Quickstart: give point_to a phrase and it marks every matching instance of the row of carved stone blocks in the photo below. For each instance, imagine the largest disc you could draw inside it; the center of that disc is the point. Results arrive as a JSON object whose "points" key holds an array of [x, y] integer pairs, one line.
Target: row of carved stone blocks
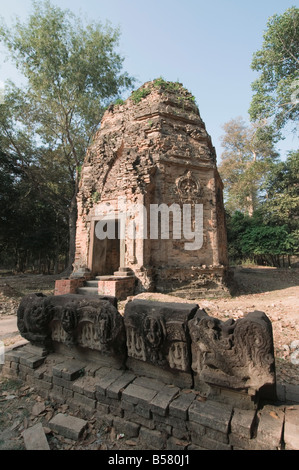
{"points": [[178, 342], [161, 415]]}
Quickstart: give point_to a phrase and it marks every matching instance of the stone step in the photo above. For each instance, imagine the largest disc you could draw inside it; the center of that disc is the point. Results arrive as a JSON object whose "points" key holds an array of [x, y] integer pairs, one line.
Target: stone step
{"points": [[107, 277], [88, 290], [93, 283], [123, 274], [124, 269]]}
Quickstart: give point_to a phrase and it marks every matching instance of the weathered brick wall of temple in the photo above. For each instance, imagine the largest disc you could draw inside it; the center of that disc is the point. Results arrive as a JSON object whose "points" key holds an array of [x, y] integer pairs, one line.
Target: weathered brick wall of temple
{"points": [[153, 149]]}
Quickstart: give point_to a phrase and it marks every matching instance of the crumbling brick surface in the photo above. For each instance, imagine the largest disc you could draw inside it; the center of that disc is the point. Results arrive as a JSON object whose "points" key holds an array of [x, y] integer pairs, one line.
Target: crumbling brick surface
{"points": [[155, 150]]}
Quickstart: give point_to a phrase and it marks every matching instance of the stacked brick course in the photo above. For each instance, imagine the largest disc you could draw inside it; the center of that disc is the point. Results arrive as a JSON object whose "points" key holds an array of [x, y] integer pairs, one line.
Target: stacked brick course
{"points": [[68, 286], [161, 416]]}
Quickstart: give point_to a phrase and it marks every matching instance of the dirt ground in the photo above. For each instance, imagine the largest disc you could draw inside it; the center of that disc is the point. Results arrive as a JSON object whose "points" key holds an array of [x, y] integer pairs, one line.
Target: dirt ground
{"points": [[271, 290]]}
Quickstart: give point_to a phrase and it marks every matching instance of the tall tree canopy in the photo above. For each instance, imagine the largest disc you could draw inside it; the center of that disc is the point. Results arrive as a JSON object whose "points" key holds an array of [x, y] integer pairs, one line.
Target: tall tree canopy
{"points": [[247, 157], [261, 193], [276, 90], [281, 206], [73, 71], [273, 231]]}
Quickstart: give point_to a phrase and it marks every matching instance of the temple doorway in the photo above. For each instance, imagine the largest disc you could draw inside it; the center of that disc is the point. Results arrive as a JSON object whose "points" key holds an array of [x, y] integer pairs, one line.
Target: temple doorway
{"points": [[106, 251]]}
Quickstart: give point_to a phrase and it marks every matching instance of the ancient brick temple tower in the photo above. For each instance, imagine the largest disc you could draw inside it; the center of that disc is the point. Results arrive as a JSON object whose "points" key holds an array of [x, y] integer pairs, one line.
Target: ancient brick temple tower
{"points": [[152, 169]]}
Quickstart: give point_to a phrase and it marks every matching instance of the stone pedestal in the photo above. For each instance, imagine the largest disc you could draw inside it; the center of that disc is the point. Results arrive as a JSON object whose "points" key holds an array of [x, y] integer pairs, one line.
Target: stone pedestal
{"points": [[68, 286], [117, 286]]}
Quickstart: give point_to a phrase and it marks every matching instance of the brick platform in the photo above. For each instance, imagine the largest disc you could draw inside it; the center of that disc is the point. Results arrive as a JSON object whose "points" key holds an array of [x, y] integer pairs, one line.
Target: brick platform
{"points": [[162, 416], [68, 286], [120, 287], [116, 286]]}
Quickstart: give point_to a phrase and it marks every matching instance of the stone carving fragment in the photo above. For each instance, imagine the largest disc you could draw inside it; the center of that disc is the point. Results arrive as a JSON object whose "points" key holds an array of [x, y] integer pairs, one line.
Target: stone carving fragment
{"points": [[157, 334], [33, 319], [189, 188], [74, 320], [175, 341], [233, 354]]}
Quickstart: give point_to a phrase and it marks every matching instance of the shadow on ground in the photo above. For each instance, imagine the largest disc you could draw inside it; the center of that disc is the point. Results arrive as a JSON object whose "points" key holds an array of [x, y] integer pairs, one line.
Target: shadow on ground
{"points": [[256, 280]]}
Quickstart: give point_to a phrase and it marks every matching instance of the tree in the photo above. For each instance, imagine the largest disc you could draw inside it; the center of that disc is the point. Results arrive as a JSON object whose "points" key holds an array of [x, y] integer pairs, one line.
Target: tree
{"points": [[237, 224], [73, 71], [248, 155], [265, 243], [276, 90], [33, 211], [281, 206], [273, 230], [255, 239]]}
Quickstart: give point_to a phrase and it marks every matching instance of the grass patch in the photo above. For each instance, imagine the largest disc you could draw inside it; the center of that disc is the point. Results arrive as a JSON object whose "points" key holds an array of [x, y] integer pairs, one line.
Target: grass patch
{"points": [[118, 102], [174, 87], [138, 95], [182, 94]]}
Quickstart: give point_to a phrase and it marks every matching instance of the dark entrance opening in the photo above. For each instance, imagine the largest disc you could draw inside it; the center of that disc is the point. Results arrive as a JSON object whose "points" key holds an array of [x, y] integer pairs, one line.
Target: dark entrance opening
{"points": [[106, 252]]}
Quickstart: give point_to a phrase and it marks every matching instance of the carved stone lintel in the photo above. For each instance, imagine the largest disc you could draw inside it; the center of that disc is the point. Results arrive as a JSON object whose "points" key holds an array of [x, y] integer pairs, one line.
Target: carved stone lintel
{"points": [[75, 320], [33, 319], [233, 354], [157, 333], [177, 341]]}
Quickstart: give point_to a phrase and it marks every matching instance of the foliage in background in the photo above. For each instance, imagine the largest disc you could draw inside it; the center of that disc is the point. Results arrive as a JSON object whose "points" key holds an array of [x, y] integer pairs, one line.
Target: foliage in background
{"points": [[272, 233], [248, 156], [281, 206], [73, 72], [276, 90], [262, 193]]}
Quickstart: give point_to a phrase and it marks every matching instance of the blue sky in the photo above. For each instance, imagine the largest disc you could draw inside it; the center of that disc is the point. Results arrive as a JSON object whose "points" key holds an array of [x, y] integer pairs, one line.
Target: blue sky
{"points": [[207, 46]]}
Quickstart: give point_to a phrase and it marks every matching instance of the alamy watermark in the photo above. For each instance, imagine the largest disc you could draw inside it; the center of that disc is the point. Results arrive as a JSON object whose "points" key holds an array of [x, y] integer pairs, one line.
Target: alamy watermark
{"points": [[2, 352], [135, 221]]}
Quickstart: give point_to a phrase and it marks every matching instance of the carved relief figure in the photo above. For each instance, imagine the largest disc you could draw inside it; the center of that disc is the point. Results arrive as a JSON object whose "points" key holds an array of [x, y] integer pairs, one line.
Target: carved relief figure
{"points": [[189, 188], [74, 320], [156, 333], [135, 344], [236, 354], [178, 356], [69, 319], [58, 333]]}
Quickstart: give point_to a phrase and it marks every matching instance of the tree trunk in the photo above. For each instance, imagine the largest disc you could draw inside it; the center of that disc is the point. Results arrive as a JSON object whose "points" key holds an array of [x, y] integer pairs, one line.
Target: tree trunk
{"points": [[57, 251], [72, 234], [250, 200]]}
